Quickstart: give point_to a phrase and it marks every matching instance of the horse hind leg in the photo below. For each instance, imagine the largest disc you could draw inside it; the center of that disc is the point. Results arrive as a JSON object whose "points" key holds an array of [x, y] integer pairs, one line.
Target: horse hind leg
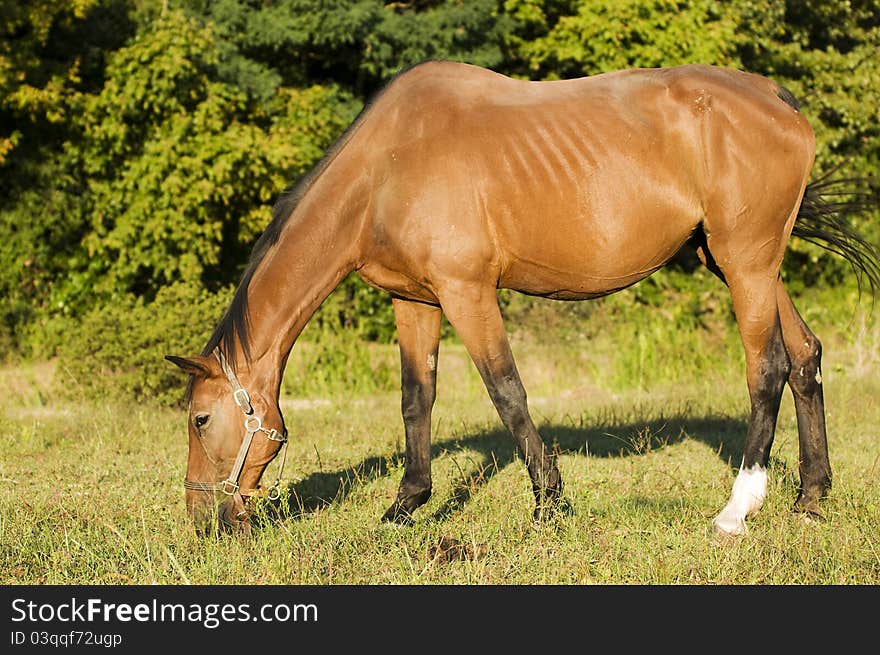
{"points": [[767, 368], [418, 329], [805, 382], [474, 314]]}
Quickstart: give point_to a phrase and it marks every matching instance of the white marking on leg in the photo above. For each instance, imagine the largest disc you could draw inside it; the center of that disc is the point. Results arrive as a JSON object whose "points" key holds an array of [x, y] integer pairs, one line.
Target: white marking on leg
{"points": [[432, 363], [818, 376], [749, 491]]}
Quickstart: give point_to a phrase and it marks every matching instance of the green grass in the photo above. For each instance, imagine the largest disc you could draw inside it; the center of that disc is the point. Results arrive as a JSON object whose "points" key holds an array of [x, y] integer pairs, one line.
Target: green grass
{"points": [[649, 420]]}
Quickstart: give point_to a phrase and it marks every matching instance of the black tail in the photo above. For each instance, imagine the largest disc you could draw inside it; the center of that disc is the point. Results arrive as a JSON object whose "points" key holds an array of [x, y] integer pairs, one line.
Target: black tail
{"points": [[824, 219]]}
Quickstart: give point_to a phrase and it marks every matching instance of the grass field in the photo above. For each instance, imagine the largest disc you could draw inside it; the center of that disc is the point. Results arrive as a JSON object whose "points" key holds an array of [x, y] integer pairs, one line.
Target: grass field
{"points": [[649, 424]]}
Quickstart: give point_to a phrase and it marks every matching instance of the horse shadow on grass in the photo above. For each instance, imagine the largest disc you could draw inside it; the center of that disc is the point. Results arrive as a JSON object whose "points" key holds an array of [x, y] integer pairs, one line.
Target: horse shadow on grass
{"points": [[494, 449]]}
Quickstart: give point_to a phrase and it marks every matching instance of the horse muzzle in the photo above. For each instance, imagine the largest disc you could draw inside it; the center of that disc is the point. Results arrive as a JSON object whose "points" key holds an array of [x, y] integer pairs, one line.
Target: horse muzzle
{"points": [[217, 513]]}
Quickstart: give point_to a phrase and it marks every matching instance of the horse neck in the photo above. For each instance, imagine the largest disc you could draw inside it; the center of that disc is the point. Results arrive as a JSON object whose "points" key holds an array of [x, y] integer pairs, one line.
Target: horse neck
{"points": [[318, 246]]}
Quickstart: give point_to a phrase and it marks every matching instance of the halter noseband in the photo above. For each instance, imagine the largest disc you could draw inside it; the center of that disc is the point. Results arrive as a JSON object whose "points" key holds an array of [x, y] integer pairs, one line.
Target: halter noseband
{"points": [[252, 425]]}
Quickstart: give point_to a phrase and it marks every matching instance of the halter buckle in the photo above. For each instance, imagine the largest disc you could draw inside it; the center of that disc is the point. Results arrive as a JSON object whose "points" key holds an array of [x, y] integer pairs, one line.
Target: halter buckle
{"points": [[243, 400], [226, 485], [274, 435]]}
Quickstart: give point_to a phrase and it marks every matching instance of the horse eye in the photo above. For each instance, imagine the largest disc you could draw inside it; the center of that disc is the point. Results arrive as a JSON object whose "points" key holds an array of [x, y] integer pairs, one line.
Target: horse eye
{"points": [[201, 419]]}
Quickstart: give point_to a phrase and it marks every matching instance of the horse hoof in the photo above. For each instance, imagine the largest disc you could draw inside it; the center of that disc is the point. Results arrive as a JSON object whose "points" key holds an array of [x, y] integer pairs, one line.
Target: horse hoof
{"points": [[729, 526], [397, 515], [808, 516], [809, 508], [551, 509], [404, 505], [397, 518]]}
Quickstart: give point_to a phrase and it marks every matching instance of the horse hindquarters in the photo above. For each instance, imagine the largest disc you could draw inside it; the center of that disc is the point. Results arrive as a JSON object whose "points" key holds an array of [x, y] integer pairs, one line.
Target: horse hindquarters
{"points": [[749, 215]]}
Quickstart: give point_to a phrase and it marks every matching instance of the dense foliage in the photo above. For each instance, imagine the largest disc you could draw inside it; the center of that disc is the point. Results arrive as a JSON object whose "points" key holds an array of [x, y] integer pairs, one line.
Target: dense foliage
{"points": [[142, 144]]}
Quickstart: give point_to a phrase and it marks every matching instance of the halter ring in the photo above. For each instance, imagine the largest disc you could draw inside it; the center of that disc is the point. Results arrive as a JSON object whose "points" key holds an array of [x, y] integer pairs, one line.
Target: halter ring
{"points": [[253, 423]]}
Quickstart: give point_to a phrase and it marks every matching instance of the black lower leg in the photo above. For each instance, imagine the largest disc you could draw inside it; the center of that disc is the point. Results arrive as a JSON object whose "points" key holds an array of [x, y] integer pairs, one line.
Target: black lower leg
{"points": [[509, 397], [473, 311], [418, 329], [805, 381], [766, 397], [415, 487]]}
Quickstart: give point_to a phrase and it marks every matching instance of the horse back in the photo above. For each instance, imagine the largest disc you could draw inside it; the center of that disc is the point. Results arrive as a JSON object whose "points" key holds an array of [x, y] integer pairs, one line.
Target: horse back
{"points": [[570, 188]]}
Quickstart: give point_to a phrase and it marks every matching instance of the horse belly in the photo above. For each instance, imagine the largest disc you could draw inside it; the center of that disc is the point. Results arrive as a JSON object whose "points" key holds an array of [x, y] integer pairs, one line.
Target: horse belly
{"points": [[576, 252], [587, 277]]}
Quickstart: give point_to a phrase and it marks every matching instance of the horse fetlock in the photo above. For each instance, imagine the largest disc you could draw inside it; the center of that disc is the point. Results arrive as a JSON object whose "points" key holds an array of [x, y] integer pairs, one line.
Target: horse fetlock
{"points": [[417, 487], [550, 506], [407, 501], [415, 498], [547, 484], [747, 497], [548, 496], [815, 485], [554, 486], [808, 502]]}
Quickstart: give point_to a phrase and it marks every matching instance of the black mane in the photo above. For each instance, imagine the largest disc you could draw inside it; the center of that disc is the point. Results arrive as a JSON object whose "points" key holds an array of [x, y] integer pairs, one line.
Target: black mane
{"points": [[234, 328]]}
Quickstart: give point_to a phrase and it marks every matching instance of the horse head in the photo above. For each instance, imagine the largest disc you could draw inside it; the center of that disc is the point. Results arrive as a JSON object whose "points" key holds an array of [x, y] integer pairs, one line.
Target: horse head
{"points": [[231, 442]]}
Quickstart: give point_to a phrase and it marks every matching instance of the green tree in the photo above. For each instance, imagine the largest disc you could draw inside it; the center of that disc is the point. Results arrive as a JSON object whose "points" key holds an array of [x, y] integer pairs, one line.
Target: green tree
{"points": [[143, 143], [170, 177], [359, 44], [597, 36], [50, 53], [825, 52], [182, 167], [52, 56]]}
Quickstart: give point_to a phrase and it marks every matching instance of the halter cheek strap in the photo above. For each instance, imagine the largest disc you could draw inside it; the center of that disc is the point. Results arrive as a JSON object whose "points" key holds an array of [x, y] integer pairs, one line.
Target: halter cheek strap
{"points": [[252, 425]]}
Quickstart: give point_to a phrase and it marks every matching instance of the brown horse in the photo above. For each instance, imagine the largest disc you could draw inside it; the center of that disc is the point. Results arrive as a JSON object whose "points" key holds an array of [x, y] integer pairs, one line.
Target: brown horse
{"points": [[456, 181]]}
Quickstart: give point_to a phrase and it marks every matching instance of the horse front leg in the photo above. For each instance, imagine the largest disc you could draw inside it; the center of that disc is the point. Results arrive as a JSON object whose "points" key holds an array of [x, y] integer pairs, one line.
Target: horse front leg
{"points": [[473, 311], [418, 329]]}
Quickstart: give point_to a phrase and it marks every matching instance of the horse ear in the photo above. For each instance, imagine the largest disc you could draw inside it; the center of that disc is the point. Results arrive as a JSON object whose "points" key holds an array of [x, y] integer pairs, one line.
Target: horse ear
{"points": [[198, 366]]}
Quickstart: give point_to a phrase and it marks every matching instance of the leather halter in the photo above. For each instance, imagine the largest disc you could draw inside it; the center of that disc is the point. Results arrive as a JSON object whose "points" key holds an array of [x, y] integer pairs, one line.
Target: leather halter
{"points": [[252, 425]]}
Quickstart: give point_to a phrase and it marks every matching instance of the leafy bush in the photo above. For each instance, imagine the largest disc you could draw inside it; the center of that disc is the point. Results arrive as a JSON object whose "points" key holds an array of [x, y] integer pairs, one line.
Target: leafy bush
{"points": [[142, 146], [118, 350], [355, 307], [326, 363]]}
